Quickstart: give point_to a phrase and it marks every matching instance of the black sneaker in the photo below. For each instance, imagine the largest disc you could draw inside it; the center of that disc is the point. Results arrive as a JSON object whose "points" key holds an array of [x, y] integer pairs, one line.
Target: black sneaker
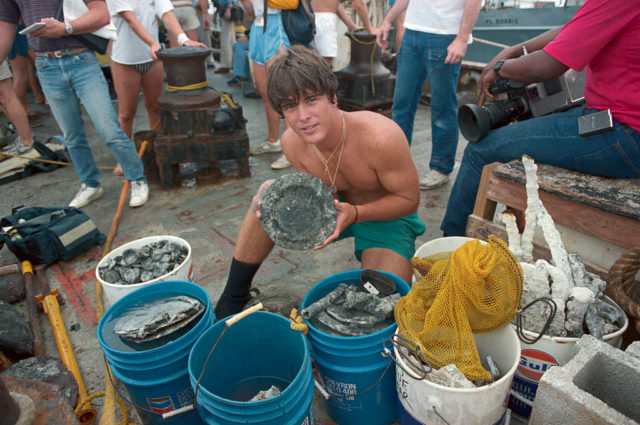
{"points": [[235, 81]]}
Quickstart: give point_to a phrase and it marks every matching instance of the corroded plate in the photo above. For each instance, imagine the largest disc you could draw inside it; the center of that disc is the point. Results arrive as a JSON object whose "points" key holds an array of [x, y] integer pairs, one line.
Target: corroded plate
{"points": [[298, 212]]}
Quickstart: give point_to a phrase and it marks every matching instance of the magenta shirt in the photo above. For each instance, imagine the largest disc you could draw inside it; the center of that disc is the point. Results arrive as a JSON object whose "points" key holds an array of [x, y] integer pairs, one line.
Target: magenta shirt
{"points": [[604, 36]]}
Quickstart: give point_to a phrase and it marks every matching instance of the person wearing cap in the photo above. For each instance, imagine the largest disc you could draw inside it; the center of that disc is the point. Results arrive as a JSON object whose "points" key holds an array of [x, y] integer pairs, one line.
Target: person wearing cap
{"points": [[240, 56]]}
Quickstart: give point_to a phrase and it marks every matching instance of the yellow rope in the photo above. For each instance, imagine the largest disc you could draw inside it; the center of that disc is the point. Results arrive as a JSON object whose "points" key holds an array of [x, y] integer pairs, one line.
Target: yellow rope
{"points": [[226, 98], [193, 86]]}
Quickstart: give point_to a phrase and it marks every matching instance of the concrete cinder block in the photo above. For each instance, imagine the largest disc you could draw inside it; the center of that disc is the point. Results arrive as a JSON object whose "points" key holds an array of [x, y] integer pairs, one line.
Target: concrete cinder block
{"points": [[598, 386], [634, 349]]}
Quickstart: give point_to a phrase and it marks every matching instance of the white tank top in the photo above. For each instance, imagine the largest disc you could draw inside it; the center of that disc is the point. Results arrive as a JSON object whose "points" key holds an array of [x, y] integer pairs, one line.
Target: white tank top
{"points": [[435, 16]]}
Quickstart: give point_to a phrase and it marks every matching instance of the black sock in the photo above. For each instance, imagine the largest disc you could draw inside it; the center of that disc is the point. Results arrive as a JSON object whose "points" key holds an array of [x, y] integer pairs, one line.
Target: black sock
{"points": [[236, 291]]}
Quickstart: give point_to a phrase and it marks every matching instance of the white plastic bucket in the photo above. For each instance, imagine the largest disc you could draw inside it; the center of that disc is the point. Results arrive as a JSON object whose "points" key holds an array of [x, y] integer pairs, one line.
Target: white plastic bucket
{"points": [[435, 246], [545, 353], [424, 402], [114, 291]]}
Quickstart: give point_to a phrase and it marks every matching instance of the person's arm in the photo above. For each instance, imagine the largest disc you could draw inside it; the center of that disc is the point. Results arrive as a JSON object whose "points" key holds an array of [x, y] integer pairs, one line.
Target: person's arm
{"points": [[360, 7], [248, 8], [96, 17], [458, 47], [7, 34], [173, 26], [536, 66], [204, 7], [344, 17], [383, 32], [130, 18]]}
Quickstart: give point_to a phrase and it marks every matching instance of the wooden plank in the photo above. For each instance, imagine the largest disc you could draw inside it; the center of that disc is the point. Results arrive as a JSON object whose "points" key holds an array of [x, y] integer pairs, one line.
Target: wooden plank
{"points": [[485, 207], [613, 228], [481, 228], [617, 196]]}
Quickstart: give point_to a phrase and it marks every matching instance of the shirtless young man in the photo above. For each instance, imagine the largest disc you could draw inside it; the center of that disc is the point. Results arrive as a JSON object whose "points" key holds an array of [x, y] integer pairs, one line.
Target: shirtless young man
{"points": [[372, 169], [327, 13]]}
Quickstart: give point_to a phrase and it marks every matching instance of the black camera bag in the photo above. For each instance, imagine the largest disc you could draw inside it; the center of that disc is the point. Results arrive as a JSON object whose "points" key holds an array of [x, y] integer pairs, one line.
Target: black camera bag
{"points": [[49, 234]]}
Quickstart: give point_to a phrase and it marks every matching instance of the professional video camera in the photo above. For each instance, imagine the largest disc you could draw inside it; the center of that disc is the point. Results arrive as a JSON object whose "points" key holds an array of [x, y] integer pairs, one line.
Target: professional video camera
{"points": [[523, 101]]}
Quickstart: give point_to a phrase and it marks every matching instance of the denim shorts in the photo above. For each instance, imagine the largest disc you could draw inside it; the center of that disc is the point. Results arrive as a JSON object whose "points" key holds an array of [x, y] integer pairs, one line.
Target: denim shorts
{"points": [[398, 235], [263, 46]]}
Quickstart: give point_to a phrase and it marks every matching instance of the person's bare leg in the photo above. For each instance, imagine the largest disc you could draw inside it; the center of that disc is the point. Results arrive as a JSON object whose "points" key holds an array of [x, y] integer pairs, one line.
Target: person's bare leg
{"points": [[151, 90], [20, 69], [126, 82], [273, 119], [252, 247], [388, 261], [192, 34], [14, 110]]}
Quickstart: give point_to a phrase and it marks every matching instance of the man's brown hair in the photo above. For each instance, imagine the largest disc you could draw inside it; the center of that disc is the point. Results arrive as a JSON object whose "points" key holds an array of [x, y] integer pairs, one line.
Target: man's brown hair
{"points": [[296, 73]]}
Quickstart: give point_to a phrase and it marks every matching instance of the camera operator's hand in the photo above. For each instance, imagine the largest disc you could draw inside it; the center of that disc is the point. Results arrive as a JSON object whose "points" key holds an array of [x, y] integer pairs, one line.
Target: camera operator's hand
{"points": [[488, 76], [486, 79]]}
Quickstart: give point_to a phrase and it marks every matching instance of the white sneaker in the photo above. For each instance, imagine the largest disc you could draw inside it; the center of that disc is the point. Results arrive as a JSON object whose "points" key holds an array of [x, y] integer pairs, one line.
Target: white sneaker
{"points": [[280, 163], [433, 180], [139, 194], [266, 147], [16, 148], [86, 195]]}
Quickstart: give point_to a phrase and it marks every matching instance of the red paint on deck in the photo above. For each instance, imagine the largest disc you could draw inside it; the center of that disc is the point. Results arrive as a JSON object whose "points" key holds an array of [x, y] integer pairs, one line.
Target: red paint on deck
{"points": [[72, 284]]}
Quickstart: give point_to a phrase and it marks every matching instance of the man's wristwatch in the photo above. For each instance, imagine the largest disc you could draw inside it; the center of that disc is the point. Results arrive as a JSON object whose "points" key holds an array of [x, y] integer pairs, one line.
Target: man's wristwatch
{"points": [[496, 68], [68, 28]]}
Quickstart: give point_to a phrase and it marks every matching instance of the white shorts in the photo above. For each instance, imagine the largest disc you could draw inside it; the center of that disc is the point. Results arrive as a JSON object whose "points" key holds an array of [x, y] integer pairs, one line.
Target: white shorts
{"points": [[187, 17], [326, 40]]}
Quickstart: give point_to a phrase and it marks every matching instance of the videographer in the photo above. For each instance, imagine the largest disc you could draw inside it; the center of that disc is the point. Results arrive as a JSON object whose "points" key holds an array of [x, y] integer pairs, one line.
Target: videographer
{"points": [[603, 36]]}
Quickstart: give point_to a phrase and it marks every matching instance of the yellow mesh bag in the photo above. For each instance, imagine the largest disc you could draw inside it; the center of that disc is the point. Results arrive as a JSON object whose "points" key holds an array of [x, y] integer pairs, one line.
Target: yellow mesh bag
{"points": [[474, 289]]}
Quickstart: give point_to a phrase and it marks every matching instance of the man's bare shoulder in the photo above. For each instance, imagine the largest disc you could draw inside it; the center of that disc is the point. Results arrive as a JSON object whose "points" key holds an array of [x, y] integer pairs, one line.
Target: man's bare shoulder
{"points": [[376, 127]]}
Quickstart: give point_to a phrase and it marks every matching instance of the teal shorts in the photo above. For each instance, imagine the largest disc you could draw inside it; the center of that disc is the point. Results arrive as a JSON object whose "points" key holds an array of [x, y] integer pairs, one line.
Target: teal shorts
{"points": [[263, 46], [398, 235]]}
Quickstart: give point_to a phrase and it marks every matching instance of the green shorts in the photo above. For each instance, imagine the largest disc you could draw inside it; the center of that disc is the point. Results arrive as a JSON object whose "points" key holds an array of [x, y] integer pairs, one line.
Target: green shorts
{"points": [[398, 235]]}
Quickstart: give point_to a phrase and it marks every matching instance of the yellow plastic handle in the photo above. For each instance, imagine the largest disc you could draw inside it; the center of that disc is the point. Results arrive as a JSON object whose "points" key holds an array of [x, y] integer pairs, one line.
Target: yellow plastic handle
{"points": [[26, 267], [243, 314]]}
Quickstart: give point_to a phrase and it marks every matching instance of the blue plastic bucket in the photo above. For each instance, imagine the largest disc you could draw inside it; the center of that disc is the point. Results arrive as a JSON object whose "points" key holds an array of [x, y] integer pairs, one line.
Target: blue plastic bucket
{"points": [[156, 379], [254, 353], [350, 365]]}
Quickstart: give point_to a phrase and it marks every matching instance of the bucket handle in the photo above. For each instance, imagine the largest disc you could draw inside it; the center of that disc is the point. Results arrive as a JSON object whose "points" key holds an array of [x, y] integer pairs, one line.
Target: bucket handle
{"points": [[228, 323], [414, 356], [519, 330]]}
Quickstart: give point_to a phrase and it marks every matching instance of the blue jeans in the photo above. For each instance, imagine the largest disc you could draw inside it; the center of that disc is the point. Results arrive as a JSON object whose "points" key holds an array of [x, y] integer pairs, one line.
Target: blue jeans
{"points": [[552, 139], [66, 82], [240, 59], [422, 55]]}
